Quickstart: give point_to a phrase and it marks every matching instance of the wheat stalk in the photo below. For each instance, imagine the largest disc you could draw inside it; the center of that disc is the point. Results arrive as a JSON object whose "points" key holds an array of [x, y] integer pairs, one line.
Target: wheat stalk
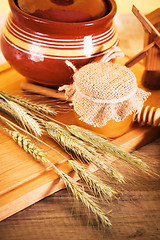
{"points": [[22, 115], [71, 184], [105, 145], [98, 187], [75, 147], [39, 108]]}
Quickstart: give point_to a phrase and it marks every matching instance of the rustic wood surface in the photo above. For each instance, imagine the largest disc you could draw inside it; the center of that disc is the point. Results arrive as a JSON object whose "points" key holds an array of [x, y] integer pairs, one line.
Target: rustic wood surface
{"points": [[135, 213]]}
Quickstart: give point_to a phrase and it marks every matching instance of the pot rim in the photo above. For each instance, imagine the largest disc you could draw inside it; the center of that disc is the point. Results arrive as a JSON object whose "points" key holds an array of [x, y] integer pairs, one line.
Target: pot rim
{"points": [[109, 16]]}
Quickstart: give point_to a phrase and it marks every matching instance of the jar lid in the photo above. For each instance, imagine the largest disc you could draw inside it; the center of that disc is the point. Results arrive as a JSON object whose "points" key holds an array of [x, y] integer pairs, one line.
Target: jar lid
{"points": [[105, 82]]}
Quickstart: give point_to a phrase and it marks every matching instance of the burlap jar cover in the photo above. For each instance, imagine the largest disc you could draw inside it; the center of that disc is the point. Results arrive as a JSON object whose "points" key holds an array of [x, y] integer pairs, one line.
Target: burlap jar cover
{"points": [[103, 91]]}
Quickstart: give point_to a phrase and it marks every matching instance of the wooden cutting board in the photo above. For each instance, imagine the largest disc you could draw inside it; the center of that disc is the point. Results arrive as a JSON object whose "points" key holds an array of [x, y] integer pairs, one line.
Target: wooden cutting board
{"points": [[24, 181]]}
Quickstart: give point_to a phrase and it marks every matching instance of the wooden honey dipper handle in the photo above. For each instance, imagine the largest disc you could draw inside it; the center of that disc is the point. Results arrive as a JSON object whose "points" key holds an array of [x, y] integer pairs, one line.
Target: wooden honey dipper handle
{"points": [[49, 92], [148, 116]]}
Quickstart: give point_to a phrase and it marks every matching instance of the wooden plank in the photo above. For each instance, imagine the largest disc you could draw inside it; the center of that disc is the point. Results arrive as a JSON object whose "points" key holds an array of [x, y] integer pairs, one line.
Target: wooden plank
{"points": [[4, 67]]}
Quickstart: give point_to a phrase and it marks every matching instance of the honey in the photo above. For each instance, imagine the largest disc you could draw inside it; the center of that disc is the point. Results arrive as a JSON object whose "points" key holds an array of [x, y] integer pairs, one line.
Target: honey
{"points": [[112, 129]]}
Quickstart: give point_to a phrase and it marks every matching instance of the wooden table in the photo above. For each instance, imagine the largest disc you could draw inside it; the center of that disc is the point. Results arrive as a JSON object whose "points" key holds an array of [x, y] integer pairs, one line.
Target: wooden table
{"points": [[135, 213]]}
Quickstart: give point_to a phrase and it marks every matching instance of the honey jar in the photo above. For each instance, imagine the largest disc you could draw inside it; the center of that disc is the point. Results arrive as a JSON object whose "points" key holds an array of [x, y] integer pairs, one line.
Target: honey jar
{"points": [[105, 97], [112, 129]]}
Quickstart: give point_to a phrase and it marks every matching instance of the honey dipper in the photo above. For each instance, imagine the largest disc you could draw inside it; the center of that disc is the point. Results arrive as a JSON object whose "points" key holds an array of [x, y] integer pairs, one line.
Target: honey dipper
{"points": [[148, 116]]}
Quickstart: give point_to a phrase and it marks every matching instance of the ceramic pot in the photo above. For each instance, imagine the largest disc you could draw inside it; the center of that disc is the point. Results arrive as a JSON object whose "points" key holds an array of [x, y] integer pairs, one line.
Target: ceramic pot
{"points": [[37, 48]]}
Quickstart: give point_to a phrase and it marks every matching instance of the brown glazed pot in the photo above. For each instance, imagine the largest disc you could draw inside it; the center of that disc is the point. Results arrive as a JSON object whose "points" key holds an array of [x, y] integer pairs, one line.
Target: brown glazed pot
{"points": [[37, 48]]}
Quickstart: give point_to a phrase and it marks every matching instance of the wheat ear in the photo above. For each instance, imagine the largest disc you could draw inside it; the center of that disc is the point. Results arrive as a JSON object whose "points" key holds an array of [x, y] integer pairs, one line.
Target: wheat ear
{"points": [[86, 199], [105, 145], [71, 185], [28, 146], [41, 108], [22, 115], [77, 148], [98, 187]]}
